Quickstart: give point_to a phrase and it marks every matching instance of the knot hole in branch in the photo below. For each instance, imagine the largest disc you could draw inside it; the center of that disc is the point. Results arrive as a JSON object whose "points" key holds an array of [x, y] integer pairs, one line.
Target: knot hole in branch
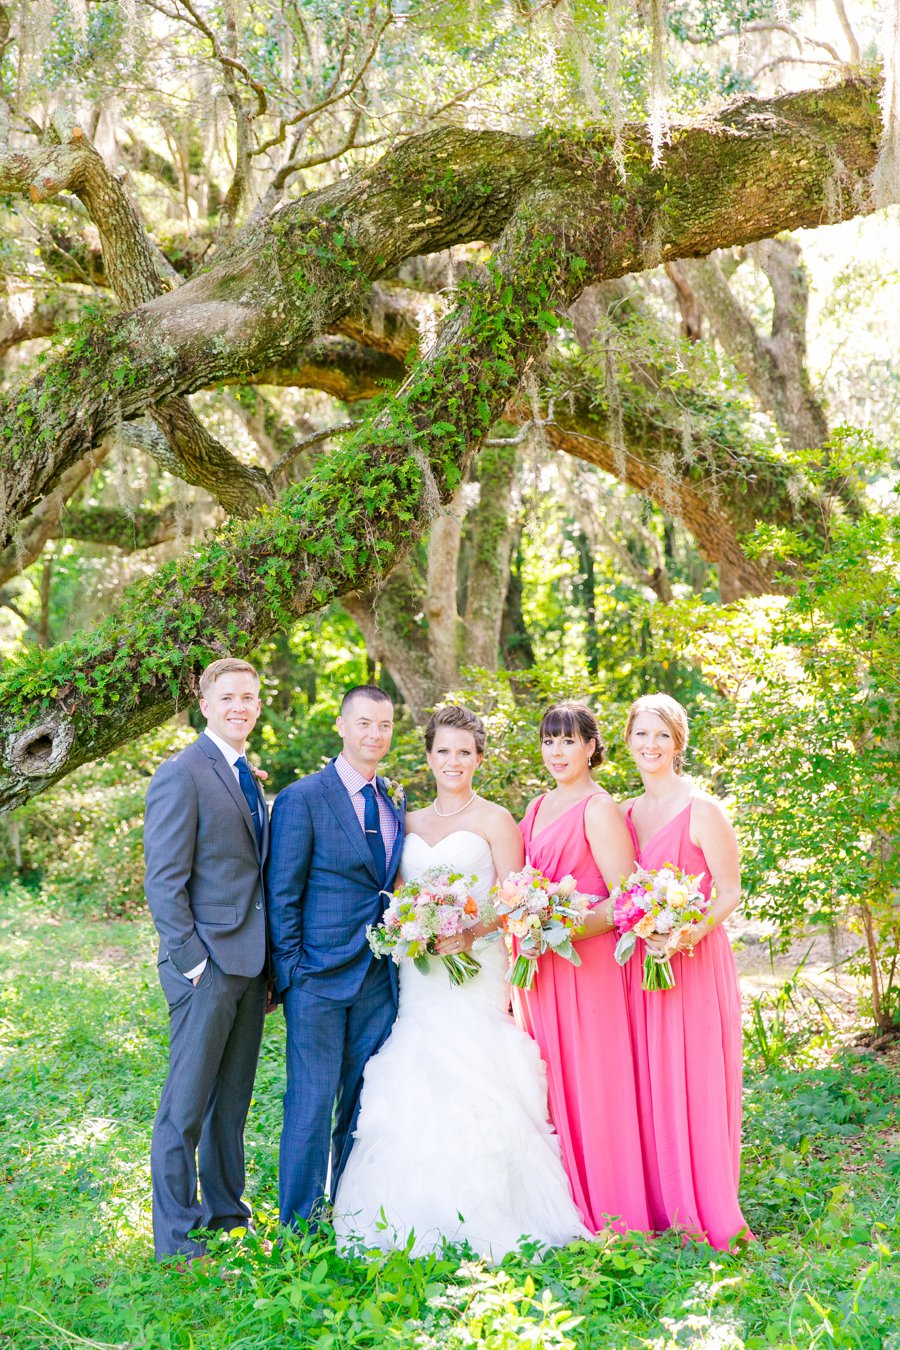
{"points": [[42, 748]]}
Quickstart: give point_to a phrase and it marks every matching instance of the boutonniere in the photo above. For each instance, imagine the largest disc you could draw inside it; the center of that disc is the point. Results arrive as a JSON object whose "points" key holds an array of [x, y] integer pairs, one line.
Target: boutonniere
{"points": [[396, 793]]}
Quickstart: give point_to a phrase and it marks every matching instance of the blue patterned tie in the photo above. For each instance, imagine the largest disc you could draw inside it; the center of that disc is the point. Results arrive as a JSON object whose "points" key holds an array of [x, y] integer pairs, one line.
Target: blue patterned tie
{"points": [[372, 822], [248, 787]]}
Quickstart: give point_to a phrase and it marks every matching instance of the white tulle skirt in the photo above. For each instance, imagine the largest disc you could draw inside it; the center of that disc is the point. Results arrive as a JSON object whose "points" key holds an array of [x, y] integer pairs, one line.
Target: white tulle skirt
{"points": [[453, 1142]]}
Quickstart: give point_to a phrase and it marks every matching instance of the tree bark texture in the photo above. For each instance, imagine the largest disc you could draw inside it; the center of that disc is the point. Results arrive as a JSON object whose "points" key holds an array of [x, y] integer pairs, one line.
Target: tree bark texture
{"points": [[762, 167], [774, 363]]}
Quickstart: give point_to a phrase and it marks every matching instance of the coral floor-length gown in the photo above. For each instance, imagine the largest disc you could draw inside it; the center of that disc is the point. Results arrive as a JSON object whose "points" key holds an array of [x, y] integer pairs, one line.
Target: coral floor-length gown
{"points": [[579, 1017], [689, 1068]]}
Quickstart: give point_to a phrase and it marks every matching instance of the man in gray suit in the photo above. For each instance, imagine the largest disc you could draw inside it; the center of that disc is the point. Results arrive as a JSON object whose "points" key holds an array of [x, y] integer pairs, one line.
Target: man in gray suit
{"points": [[205, 841]]}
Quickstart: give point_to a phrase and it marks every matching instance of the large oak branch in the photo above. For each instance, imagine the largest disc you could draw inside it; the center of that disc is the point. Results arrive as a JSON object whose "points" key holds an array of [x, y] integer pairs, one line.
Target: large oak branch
{"points": [[667, 437], [761, 167], [564, 219]]}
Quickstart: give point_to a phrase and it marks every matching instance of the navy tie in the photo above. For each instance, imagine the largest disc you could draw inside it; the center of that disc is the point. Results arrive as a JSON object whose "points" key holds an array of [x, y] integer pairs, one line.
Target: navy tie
{"points": [[372, 822], [248, 787]]}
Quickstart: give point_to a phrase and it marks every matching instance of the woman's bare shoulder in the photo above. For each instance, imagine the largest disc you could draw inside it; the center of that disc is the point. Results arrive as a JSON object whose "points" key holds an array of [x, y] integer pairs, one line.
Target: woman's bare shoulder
{"points": [[492, 814], [602, 806], [707, 810]]}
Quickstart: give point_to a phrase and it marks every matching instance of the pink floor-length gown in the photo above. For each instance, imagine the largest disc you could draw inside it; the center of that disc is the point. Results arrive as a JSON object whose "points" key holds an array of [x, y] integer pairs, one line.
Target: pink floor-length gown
{"points": [[579, 1017], [689, 1067]]}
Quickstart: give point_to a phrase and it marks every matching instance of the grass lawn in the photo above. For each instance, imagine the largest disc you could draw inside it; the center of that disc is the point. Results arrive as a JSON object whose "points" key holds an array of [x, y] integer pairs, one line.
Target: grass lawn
{"points": [[82, 1056]]}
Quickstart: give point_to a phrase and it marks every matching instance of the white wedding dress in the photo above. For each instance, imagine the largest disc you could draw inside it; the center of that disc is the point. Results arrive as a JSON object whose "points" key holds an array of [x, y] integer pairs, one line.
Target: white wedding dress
{"points": [[453, 1141]]}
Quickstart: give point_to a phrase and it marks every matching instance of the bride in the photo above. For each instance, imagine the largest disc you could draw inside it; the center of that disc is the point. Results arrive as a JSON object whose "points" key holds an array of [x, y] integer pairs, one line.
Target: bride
{"points": [[453, 1141]]}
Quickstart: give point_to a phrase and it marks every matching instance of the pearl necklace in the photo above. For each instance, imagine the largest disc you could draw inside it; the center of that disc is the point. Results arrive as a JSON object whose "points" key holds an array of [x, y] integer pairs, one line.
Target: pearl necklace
{"points": [[445, 815]]}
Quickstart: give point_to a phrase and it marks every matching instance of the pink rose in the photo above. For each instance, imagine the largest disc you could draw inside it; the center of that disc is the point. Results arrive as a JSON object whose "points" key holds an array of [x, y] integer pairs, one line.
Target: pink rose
{"points": [[627, 915]]}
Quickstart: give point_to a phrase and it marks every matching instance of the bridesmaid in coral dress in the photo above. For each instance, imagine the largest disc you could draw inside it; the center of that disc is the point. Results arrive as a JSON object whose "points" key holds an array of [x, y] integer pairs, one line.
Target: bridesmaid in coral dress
{"points": [[579, 1014], [688, 1039]]}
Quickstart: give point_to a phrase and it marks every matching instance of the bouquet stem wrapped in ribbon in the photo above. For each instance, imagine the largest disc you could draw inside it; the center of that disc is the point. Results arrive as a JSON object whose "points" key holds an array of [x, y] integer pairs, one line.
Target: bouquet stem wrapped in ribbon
{"points": [[436, 905], [661, 902], [542, 915]]}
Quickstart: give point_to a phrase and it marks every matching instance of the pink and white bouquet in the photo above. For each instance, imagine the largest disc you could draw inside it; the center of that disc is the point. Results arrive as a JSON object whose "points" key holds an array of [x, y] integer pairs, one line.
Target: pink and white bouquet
{"points": [[542, 915], [663, 901], [438, 904]]}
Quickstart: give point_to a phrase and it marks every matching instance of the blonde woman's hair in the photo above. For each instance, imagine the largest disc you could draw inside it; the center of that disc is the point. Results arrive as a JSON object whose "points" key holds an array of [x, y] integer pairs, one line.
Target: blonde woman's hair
{"points": [[672, 714]]}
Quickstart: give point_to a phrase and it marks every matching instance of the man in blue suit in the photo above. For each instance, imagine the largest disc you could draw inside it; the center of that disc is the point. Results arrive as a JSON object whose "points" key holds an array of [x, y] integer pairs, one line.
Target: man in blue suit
{"points": [[336, 841]]}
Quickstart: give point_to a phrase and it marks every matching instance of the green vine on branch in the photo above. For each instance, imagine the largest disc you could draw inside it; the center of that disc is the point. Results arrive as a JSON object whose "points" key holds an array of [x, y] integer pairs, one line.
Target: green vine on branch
{"points": [[343, 527]]}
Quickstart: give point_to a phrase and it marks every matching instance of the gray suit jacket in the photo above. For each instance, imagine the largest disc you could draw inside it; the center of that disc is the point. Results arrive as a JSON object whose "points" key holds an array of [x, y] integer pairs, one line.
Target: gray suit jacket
{"points": [[204, 880]]}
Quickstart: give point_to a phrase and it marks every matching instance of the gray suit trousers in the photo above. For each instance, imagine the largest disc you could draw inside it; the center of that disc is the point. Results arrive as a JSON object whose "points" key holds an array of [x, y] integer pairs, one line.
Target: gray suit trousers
{"points": [[215, 1032]]}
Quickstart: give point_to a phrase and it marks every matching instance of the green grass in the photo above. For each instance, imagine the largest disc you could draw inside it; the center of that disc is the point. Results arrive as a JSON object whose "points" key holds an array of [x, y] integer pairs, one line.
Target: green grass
{"points": [[82, 1057]]}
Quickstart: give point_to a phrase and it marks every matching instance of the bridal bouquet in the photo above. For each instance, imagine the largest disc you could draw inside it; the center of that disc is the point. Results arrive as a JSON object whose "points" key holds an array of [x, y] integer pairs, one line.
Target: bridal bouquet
{"points": [[662, 901], [436, 905], [543, 915]]}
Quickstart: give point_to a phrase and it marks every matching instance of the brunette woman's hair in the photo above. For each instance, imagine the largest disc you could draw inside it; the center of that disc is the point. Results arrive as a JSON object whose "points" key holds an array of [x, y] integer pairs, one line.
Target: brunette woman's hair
{"points": [[458, 719], [577, 720]]}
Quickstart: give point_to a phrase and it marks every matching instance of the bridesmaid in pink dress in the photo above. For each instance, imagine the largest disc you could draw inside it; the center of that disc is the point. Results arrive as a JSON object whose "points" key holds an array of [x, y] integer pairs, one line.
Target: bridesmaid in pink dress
{"points": [[579, 1014], [688, 1039]]}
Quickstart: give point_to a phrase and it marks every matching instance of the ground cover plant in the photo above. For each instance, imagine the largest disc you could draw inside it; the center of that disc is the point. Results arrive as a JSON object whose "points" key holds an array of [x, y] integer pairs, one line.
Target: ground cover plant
{"points": [[82, 1052]]}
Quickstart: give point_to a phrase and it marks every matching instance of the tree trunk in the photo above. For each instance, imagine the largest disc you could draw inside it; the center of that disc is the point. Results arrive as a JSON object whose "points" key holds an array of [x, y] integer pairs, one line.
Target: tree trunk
{"points": [[515, 641], [440, 597], [491, 533], [773, 364]]}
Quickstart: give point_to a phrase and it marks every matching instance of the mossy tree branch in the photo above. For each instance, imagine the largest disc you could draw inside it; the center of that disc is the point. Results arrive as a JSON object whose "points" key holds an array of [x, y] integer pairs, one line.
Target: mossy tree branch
{"points": [[138, 273], [299, 271], [128, 531], [562, 217], [351, 520], [720, 485]]}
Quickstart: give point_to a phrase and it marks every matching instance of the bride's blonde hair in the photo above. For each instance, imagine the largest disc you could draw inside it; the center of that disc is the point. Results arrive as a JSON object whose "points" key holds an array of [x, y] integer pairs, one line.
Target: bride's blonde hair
{"points": [[671, 712]]}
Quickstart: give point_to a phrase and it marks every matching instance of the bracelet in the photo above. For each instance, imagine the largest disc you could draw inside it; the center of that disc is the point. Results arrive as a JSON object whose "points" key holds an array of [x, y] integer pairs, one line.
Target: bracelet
{"points": [[612, 913]]}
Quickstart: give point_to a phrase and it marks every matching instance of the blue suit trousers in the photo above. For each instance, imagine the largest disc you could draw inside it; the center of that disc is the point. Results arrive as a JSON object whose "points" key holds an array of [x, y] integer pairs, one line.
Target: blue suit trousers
{"points": [[328, 1044]]}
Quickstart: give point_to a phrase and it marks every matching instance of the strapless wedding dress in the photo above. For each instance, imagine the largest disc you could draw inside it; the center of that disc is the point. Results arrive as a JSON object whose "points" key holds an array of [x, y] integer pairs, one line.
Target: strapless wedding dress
{"points": [[453, 1141]]}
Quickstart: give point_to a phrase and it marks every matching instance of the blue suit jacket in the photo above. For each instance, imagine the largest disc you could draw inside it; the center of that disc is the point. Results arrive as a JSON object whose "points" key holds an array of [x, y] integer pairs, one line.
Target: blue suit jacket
{"points": [[321, 887]]}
